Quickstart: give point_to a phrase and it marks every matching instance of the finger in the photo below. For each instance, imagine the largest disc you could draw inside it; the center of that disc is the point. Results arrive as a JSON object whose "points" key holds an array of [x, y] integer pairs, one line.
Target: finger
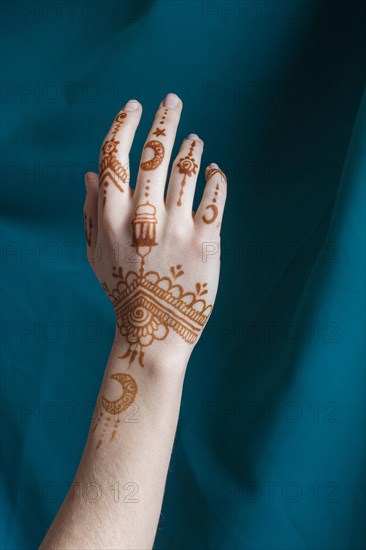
{"points": [[91, 211], [208, 217], [183, 178], [157, 151], [114, 173]]}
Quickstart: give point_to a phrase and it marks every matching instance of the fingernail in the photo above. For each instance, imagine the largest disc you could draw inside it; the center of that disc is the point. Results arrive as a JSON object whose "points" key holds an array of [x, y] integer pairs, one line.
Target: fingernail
{"points": [[90, 177], [131, 105], [193, 136], [171, 101], [212, 165]]}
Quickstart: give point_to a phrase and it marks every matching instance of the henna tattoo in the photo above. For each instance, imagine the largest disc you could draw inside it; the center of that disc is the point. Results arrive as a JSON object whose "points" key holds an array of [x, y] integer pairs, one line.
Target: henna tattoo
{"points": [[88, 225], [110, 168], [213, 207], [212, 171], [158, 157], [186, 166], [159, 132], [163, 117], [144, 228], [148, 305], [215, 213], [113, 408]]}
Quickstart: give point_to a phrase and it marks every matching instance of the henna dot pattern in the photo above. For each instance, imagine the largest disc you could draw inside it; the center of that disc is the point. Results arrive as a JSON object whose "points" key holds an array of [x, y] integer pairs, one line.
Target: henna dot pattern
{"points": [[147, 304], [110, 168], [186, 166], [212, 208], [163, 117], [112, 409], [158, 157]]}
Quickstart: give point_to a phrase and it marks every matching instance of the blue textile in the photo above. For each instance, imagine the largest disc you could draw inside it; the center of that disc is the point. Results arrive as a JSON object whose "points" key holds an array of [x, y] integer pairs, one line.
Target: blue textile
{"points": [[270, 451]]}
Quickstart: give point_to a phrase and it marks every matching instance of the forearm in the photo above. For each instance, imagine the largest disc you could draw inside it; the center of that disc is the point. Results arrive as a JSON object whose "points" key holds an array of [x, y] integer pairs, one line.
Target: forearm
{"points": [[125, 476]]}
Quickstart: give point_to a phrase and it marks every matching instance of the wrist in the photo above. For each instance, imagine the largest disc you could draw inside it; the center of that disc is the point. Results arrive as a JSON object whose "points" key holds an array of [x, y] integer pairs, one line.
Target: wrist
{"points": [[161, 356]]}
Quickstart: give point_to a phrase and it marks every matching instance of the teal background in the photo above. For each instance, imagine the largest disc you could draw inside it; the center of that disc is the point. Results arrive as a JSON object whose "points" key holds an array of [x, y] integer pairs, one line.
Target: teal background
{"points": [[269, 451]]}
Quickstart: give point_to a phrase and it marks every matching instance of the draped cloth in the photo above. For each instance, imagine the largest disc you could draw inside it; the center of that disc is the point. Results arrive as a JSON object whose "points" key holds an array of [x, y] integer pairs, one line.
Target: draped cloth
{"points": [[269, 451]]}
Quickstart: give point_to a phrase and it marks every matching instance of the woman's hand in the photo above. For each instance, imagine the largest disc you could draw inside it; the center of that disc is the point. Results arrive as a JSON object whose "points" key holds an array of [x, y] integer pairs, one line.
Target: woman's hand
{"points": [[157, 260], [160, 266]]}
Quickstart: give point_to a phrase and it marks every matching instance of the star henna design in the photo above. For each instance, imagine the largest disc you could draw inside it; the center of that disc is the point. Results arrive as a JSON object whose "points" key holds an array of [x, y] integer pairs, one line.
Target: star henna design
{"points": [[159, 132]]}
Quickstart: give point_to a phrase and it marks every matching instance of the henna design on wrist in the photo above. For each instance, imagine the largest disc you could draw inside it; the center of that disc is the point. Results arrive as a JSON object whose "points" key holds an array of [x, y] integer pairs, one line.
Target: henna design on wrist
{"points": [[88, 225], [148, 305], [186, 166], [110, 168], [110, 410], [158, 157]]}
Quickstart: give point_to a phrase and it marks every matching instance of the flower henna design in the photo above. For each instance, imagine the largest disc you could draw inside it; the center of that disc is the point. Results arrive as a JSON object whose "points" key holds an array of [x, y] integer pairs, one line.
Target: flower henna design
{"points": [[186, 166], [110, 168], [112, 409], [88, 225], [158, 157], [149, 305]]}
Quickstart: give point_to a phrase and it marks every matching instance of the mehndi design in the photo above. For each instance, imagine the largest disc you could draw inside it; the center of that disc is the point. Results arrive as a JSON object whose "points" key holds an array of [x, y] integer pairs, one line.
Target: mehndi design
{"points": [[213, 207], [186, 166], [115, 407], [110, 168], [147, 304], [158, 157]]}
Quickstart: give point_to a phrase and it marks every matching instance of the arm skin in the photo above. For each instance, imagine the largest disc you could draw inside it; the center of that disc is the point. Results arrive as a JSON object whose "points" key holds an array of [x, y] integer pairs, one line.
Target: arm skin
{"points": [[141, 458], [162, 287]]}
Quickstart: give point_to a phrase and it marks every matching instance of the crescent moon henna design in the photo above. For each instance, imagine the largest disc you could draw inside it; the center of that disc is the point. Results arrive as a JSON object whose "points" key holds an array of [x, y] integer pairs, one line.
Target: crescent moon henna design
{"points": [[158, 157], [110, 168], [148, 305], [215, 213], [213, 207], [186, 166], [113, 408]]}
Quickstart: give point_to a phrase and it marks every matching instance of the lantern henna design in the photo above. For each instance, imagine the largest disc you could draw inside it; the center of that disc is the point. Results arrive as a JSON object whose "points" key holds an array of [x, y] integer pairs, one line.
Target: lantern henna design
{"points": [[149, 305]]}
